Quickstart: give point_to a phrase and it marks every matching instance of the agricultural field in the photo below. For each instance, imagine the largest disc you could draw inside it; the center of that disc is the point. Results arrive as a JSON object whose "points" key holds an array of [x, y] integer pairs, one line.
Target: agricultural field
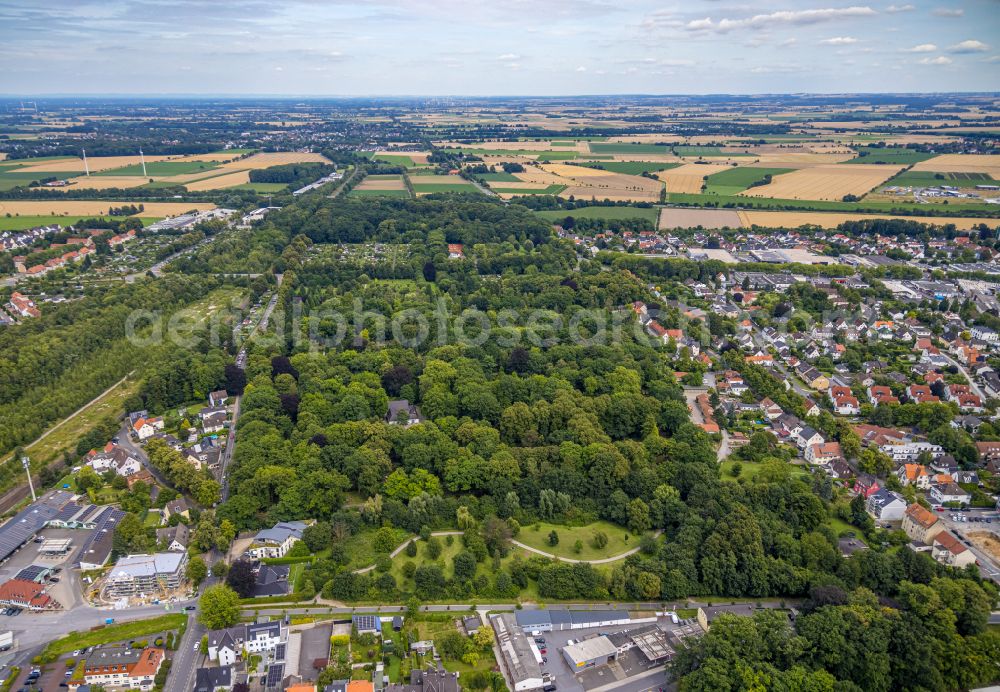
{"points": [[409, 159], [95, 207], [161, 169], [736, 180], [890, 155], [630, 167], [794, 219], [17, 223], [427, 184], [825, 182], [690, 177], [381, 186], [715, 219], [219, 182], [913, 178], [988, 164]]}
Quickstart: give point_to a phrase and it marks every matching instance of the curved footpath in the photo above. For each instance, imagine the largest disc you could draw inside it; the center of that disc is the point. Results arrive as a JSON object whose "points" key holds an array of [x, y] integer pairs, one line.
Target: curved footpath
{"points": [[524, 546]]}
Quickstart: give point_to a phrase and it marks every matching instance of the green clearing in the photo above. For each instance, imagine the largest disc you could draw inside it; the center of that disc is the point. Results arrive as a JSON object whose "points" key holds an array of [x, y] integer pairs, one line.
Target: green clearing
{"points": [[113, 633], [16, 223], [550, 190], [537, 536], [890, 155], [627, 148], [750, 470], [688, 150], [651, 214], [499, 178], [152, 520], [737, 180], [359, 547], [261, 187], [378, 193], [162, 168], [630, 167]]}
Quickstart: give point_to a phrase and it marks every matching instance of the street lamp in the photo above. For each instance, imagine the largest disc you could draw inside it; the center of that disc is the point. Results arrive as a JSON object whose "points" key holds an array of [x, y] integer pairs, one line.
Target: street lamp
{"points": [[26, 463]]}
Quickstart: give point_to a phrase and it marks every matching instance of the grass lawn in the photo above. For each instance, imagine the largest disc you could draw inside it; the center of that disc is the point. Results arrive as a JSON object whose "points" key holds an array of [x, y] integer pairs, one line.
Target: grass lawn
{"points": [[550, 190], [840, 526], [359, 548], [153, 520], [737, 180], [630, 167], [890, 155], [157, 169], [113, 633], [750, 470], [649, 214], [396, 159], [568, 535]]}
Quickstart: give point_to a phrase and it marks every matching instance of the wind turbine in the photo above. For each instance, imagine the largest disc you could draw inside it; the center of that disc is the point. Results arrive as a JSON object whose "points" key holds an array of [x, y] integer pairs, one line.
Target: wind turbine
{"points": [[143, 159], [85, 166]]}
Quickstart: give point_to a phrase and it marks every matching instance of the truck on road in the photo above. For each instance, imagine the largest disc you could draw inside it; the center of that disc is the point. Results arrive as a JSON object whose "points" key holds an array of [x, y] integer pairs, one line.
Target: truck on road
{"points": [[6, 640]]}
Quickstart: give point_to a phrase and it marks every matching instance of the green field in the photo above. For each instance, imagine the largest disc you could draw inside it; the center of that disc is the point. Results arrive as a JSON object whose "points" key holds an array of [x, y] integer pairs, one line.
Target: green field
{"points": [[630, 167], [818, 205], [736, 180], [685, 150], [930, 179], [261, 187], [557, 155], [159, 169], [442, 187], [396, 159], [568, 535], [650, 214], [499, 178], [889, 155], [379, 193], [16, 223], [627, 148], [11, 178], [550, 190]]}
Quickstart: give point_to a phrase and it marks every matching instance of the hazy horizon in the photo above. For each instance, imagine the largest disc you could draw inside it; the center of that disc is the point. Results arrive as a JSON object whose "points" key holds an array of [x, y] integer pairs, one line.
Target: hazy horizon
{"points": [[306, 48]]}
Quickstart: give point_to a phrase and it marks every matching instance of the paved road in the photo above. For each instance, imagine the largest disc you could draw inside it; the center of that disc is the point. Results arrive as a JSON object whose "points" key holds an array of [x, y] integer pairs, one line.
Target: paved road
{"points": [[185, 663]]}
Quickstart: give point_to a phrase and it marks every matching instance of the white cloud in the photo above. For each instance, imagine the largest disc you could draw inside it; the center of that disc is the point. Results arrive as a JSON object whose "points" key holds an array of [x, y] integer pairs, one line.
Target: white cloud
{"points": [[939, 60], [893, 9], [922, 48], [784, 17], [788, 42], [949, 12], [581, 68], [509, 56], [839, 41], [969, 46]]}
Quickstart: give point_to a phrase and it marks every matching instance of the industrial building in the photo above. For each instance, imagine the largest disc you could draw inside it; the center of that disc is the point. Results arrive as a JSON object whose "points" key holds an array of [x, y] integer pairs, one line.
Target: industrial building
{"points": [[521, 660], [596, 651], [555, 620]]}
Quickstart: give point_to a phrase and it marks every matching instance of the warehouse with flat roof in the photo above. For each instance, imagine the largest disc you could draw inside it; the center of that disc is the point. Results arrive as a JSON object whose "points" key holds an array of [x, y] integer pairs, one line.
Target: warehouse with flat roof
{"points": [[560, 619], [596, 651]]}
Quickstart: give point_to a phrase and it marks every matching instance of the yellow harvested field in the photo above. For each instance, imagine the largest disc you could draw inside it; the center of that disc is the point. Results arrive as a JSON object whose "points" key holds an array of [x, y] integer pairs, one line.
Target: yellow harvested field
{"points": [[649, 158], [594, 182], [802, 159], [831, 182], [418, 180], [538, 177], [103, 182], [573, 172], [275, 158], [689, 178], [794, 219], [962, 163], [3, 155], [95, 163], [212, 156], [97, 208], [219, 182], [381, 184], [522, 186]]}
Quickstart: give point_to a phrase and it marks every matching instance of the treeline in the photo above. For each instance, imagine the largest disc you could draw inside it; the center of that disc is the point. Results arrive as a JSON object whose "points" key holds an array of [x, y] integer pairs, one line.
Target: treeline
{"points": [[291, 173]]}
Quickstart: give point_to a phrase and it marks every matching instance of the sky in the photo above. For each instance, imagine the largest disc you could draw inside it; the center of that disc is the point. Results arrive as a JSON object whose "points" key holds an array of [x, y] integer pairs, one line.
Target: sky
{"points": [[502, 47]]}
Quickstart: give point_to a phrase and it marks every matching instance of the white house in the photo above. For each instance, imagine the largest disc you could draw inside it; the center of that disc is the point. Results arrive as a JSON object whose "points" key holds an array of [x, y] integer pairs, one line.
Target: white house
{"points": [[949, 492], [886, 505], [226, 645], [276, 541], [145, 428], [911, 451], [115, 458], [985, 334]]}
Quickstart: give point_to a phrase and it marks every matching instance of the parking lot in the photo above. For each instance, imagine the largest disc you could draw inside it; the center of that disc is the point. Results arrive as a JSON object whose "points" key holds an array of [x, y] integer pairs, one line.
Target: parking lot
{"points": [[631, 664], [65, 590]]}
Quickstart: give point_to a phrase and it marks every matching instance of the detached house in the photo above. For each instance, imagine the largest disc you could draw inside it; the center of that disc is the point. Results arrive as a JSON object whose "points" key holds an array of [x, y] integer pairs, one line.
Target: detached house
{"points": [[823, 454], [115, 458], [276, 541], [886, 505], [949, 492], [402, 412], [915, 475], [145, 428], [948, 550], [226, 645]]}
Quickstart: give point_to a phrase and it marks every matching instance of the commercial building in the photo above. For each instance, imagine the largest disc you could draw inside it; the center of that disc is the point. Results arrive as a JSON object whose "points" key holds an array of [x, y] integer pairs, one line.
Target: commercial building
{"points": [[520, 659], [123, 668], [558, 619], [26, 594], [596, 651], [147, 574]]}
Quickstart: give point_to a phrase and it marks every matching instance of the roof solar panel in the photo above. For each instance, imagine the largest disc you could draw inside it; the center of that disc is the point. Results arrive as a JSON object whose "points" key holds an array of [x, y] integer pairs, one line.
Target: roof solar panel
{"points": [[279, 652], [275, 672]]}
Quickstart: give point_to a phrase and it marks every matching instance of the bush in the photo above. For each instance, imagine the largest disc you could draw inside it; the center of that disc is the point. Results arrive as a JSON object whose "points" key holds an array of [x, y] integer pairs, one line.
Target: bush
{"points": [[411, 549], [383, 563], [409, 569]]}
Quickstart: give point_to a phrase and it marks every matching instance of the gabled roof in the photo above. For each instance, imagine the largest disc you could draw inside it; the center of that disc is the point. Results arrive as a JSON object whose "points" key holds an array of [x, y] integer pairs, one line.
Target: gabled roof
{"points": [[921, 516]]}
